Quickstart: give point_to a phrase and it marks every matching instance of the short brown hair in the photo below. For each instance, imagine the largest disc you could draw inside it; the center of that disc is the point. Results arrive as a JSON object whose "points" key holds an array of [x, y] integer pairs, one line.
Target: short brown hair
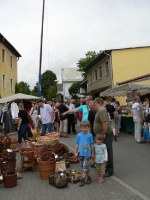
{"points": [[85, 123], [40, 101], [99, 137], [99, 100]]}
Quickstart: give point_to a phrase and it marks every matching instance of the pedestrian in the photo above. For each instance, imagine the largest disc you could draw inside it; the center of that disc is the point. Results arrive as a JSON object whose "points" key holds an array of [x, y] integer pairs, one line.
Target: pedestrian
{"points": [[56, 117], [138, 118], [22, 126], [112, 113], [101, 157], [102, 125], [46, 116], [34, 115], [71, 118], [63, 119], [84, 148], [83, 108]]}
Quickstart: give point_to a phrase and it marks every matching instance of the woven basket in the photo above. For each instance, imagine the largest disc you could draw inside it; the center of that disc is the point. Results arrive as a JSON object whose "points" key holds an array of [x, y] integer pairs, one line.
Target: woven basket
{"points": [[45, 140], [10, 180], [8, 166], [53, 135], [46, 168]]}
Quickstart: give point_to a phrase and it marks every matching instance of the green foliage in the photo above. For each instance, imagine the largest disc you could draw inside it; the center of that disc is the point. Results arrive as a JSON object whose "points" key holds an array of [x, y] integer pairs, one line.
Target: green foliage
{"points": [[34, 92], [83, 62], [74, 88], [22, 87], [48, 79], [52, 93]]}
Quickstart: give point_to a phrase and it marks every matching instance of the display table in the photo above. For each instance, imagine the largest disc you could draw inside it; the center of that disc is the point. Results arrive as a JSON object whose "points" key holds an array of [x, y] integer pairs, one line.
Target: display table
{"points": [[127, 124]]}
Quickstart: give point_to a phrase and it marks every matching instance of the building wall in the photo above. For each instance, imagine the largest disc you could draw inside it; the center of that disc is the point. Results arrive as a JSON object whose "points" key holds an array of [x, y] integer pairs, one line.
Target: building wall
{"points": [[104, 80], [66, 86], [8, 71], [130, 63]]}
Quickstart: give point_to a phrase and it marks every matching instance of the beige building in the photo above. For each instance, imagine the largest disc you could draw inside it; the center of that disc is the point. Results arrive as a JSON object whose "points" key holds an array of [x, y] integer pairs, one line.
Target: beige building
{"points": [[117, 65], [8, 67]]}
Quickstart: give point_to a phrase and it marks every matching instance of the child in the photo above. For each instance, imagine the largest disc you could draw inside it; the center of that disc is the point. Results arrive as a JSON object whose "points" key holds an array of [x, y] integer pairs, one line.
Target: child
{"points": [[101, 156], [84, 148]]}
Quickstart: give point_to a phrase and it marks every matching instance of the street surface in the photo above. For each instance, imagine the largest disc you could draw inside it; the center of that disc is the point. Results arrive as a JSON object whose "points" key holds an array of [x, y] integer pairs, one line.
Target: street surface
{"points": [[130, 181]]}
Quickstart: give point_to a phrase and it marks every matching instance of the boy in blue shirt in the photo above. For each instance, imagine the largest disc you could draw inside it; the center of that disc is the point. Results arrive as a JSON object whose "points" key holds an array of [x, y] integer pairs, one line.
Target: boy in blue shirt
{"points": [[84, 148]]}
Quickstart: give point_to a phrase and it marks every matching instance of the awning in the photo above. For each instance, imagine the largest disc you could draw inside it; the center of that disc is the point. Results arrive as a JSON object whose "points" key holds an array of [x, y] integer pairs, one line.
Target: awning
{"points": [[123, 90], [18, 96]]}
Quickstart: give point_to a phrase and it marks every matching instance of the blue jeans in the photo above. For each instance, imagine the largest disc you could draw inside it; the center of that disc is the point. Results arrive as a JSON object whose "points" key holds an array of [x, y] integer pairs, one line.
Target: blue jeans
{"points": [[45, 127], [23, 133]]}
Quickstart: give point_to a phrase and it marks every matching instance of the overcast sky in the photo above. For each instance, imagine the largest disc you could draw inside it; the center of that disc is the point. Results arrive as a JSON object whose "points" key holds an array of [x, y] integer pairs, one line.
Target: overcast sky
{"points": [[71, 28]]}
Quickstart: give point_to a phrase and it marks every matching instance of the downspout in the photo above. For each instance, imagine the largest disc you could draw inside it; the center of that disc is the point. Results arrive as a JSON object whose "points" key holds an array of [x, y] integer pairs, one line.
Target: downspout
{"points": [[111, 68]]}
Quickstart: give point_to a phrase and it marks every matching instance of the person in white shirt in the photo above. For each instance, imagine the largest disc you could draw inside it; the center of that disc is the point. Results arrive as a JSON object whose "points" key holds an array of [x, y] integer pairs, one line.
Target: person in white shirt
{"points": [[47, 117], [71, 122], [138, 118]]}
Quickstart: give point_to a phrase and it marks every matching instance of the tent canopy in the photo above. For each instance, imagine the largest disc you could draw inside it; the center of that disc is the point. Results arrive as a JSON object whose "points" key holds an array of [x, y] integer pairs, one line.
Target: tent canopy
{"points": [[124, 90], [18, 96]]}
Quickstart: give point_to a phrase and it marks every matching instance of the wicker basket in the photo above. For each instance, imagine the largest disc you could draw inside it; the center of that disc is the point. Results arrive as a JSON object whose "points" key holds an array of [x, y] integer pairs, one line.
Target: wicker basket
{"points": [[10, 180], [46, 168], [53, 135], [8, 166], [14, 143]]}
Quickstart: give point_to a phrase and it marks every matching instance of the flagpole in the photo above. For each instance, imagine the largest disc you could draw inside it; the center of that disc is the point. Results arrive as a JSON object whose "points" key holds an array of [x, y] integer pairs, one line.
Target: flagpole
{"points": [[40, 63]]}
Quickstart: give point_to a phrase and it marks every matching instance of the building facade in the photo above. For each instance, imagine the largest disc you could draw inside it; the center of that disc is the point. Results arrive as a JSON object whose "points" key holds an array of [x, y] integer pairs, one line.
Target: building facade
{"points": [[69, 76], [118, 65], [8, 67]]}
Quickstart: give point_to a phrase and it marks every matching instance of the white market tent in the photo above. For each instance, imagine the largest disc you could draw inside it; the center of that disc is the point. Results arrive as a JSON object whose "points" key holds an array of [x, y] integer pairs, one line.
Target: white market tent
{"points": [[124, 90], [17, 97]]}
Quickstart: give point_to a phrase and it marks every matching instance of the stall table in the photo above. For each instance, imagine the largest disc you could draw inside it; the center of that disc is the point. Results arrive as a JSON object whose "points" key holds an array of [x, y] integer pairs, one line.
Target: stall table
{"points": [[127, 124]]}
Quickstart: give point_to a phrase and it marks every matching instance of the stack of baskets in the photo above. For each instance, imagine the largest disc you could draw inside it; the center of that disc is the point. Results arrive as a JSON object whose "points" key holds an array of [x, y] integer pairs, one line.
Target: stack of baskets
{"points": [[46, 164], [7, 162], [14, 143]]}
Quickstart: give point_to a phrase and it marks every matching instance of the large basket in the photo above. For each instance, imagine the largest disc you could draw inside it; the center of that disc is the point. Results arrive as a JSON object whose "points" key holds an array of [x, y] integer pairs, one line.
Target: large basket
{"points": [[45, 140], [10, 180], [46, 168], [8, 166]]}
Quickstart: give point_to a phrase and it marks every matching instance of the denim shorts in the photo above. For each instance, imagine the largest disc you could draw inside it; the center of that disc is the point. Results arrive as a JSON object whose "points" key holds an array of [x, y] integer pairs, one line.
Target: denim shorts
{"points": [[22, 133], [85, 164]]}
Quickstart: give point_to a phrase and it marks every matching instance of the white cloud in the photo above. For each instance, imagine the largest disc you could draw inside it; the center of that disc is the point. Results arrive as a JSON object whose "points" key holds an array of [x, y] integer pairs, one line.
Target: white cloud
{"points": [[71, 28]]}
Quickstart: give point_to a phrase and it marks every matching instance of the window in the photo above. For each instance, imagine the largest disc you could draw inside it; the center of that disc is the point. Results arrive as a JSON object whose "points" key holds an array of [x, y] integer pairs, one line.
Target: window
{"points": [[90, 77], [106, 68], [4, 81], [11, 85], [11, 62], [100, 72], [3, 55], [96, 75]]}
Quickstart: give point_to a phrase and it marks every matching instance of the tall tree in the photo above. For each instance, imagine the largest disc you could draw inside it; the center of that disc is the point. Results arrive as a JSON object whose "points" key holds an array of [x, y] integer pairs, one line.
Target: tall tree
{"points": [[48, 79], [83, 62], [52, 93], [22, 87]]}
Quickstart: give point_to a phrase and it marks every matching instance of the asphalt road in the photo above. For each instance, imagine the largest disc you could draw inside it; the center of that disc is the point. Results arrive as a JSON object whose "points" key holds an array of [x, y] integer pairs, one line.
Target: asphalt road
{"points": [[130, 180]]}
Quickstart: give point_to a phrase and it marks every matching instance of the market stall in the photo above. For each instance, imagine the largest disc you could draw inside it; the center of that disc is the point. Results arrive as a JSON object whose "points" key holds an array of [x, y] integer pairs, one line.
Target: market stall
{"points": [[11, 102], [130, 90]]}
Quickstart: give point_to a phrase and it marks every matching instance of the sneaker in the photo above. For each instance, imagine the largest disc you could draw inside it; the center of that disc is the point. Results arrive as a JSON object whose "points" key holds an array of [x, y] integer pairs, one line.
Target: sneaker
{"points": [[82, 182], [88, 180]]}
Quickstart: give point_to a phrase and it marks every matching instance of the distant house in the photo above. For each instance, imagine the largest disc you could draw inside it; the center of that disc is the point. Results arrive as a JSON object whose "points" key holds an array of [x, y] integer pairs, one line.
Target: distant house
{"points": [[59, 91], [69, 76], [8, 67]]}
